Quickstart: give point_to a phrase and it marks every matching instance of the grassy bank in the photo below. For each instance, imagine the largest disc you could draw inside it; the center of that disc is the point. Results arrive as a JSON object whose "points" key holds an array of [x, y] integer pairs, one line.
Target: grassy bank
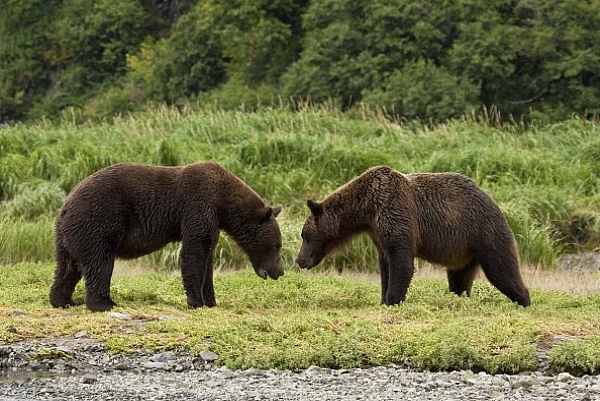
{"points": [[308, 319], [545, 178]]}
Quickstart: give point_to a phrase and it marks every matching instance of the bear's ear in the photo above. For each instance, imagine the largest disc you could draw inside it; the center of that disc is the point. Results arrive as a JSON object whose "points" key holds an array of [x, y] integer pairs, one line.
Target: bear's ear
{"points": [[276, 210], [268, 211], [315, 207]]}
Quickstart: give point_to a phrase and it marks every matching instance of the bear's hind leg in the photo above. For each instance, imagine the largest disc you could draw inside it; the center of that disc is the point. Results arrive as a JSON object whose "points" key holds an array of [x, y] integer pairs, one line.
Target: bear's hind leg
{"points": [[503, 272], [66, 277], [461, 280], [97, 276]]}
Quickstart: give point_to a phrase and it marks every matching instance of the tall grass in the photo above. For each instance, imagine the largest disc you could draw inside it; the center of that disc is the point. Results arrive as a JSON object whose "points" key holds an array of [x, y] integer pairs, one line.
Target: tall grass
{"points": [[545, 178], [28, 241]]}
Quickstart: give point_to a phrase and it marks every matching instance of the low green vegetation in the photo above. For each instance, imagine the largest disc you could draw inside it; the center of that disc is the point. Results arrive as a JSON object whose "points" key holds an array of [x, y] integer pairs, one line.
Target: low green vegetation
{"points": [[544, 177], [308, 319]]}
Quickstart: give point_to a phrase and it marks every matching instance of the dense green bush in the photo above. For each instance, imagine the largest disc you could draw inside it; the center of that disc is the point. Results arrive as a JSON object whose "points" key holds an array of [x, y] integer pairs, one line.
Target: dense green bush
{"points": [[24, 38], [178, 67], [414, 59], [422, 90]]}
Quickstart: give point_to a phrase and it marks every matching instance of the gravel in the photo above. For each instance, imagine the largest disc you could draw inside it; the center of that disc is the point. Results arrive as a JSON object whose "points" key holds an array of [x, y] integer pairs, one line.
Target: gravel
{"points": [[80, 369]]}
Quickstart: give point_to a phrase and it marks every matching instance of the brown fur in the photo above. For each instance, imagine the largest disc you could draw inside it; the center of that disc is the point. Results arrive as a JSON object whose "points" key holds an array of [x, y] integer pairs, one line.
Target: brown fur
{"points": [[444, 218], [129, 210]]}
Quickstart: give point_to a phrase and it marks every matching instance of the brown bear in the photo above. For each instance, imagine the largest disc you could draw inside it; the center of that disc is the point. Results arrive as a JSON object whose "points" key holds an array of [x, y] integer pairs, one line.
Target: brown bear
{"points": [[443, 218], [128, 210]]}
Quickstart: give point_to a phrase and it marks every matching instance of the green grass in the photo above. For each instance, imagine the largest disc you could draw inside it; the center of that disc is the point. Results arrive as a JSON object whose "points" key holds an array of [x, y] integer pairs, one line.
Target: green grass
{"points": [[308, 318], [545, 178]]}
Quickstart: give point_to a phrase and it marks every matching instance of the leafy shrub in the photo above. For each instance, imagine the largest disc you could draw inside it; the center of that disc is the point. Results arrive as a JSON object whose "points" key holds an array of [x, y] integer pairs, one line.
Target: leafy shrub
{"points": [[180, 66], [579, 356], [421, 90]]}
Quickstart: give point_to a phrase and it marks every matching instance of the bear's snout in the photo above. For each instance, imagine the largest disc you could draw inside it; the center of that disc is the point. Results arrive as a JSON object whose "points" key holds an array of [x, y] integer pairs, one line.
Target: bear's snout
{"points": [[308, 257], [305, 263], [266, 273], [276, 274]]}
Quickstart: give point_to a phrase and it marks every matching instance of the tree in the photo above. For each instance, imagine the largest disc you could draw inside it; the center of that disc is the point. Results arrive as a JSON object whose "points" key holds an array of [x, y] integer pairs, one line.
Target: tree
{"points": [[24, 39], [352, 47], [186, 63], [421, 90], [260, 38], [542, 55], [517, 55]]}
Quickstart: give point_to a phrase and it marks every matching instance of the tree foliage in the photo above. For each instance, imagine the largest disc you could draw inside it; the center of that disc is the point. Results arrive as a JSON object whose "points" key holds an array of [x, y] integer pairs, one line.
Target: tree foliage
{"points": [[426, 59], [23, 38], [187, 62]]}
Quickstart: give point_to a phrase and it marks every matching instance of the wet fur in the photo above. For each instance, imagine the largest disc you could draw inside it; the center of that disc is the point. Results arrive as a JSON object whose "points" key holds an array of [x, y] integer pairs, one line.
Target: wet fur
{"points": [[129, 210], [444, 218]]}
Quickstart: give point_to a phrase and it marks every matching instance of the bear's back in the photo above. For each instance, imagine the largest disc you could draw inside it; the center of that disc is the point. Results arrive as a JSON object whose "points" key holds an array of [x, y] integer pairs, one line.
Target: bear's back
{"points": [[124, 185], [142, 205], [135, 198], [455, 218], [447, 194]]}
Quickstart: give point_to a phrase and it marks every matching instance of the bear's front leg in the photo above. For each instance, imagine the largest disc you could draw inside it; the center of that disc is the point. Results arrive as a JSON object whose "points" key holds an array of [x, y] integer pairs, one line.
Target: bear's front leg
{"points": [[384, 272], [197, 269], [400, 274], [97, 283], [191, 276]]}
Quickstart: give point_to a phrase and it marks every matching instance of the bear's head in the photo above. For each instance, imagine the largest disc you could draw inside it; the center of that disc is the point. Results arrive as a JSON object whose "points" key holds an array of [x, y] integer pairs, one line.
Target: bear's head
{"points": [[319, 237], [264, 246]]}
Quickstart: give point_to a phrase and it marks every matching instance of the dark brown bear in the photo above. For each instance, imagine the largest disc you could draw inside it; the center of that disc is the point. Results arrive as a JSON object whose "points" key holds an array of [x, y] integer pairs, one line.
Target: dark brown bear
{"points": [[443, 218], [130, 210]]}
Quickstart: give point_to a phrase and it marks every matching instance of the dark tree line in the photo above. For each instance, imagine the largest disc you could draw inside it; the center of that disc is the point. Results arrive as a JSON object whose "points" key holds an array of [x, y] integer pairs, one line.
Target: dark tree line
{"points": [[427, 59]]}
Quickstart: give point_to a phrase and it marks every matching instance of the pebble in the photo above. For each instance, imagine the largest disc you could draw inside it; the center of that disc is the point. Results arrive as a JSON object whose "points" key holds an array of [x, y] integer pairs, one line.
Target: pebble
{"points": [[154, 365], [208, 356], [91, 374], [89, 379], [119, 316], [564, 377], [163, 357]]}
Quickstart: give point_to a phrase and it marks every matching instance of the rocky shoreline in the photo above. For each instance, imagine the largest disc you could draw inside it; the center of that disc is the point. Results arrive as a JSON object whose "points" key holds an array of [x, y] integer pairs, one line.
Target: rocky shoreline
{"points": [[80, 369]]}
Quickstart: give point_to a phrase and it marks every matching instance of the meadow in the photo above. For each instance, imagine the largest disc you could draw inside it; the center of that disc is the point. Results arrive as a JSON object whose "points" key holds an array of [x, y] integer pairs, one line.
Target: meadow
{"points": [[545, 179]]}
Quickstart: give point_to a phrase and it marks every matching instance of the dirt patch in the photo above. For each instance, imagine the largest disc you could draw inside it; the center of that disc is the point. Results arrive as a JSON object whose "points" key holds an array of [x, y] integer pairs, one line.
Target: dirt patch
{"points": [[545, 346]]}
